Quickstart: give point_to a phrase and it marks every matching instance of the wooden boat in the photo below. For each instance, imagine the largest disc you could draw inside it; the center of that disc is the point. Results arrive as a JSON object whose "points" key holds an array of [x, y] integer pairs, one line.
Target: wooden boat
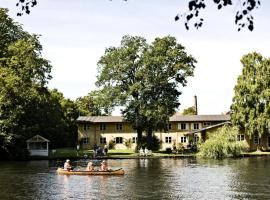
{"points": [[61, 171]]}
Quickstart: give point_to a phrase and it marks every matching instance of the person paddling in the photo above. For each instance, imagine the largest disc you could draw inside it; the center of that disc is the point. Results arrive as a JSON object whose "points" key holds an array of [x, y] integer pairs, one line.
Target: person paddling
{"points": [[90, 167], [67, 165], [104, 166]]}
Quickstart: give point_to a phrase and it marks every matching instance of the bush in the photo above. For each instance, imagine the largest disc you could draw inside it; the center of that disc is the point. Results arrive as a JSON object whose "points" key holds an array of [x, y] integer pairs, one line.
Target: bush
{"points": [[222, 143], [151, 143], [111, 144], [128, 143]]}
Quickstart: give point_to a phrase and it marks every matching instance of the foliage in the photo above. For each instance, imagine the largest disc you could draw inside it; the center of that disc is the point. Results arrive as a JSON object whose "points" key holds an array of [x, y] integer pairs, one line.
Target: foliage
{"points": [[27, 107], [189, 111], [149, 142], [94, 104], [250, 107], [111, 144], [243, 16], [128, 143], [222, 143], [145, 79], [180, 147]]}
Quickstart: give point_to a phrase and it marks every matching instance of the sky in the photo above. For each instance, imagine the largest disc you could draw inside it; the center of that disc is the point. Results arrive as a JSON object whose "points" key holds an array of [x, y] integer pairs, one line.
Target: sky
{"points": [[75, 34]]}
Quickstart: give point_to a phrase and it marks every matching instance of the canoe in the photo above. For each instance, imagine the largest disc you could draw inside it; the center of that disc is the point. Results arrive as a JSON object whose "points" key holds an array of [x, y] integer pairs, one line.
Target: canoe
{"points": [[120, 171]]}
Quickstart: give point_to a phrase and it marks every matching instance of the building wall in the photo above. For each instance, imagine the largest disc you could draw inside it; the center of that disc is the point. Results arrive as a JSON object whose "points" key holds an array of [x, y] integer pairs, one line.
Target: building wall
{"points": [[173, 136]]}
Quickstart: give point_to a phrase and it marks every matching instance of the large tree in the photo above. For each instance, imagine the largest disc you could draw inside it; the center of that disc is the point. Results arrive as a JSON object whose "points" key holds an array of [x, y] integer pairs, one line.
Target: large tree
{"points": [[94, 104], [23, 75], [243, 16], [144, 79], [251, 102], [27, 107]]}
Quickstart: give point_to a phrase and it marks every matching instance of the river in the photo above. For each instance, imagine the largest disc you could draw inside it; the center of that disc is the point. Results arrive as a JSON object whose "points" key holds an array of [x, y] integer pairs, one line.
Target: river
{"points": [[245, 178]]}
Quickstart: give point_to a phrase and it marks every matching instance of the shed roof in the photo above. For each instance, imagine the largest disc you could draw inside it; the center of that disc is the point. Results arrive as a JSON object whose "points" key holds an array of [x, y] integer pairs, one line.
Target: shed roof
{"points": [[37, 138], [174, 118]]}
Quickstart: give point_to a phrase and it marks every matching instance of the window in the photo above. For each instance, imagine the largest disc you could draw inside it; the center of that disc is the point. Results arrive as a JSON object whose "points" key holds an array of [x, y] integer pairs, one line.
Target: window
{"points": [[206, 123], [103, 140], [86, 127], [119, 127], [169, 126], [183, 139], [118, 140], [268, 142], [168, 140], [256, 139], [134, 139], [240, 137], [183, 126], [85, 140], [196, 126], [102, 127], [196, 139]]}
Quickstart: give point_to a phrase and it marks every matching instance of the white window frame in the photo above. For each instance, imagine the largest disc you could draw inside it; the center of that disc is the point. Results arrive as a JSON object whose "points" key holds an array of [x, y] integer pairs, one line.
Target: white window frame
{"points": [[168, 139], [120, 140], [256, 139], [86, 127], [134, 139], [102, 127], [196, 124], [183, 139], [119, 127], [85, 140], [183, 126], [102, 140], [240, 137]]}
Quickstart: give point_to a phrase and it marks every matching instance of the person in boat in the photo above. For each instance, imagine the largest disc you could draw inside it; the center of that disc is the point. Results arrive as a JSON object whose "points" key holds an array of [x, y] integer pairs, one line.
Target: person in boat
{"points": [[67, 165], [90, 167], [104, 166]]}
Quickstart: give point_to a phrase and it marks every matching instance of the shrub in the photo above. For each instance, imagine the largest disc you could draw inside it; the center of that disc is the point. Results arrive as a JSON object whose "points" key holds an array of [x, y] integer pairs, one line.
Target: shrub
{"points": [[222, 143], [151, 143], [128, 143], [111, 144]]}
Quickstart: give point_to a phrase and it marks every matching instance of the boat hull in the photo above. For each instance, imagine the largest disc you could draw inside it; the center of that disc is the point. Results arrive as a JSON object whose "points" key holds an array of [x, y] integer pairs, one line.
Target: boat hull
{"points": [[112, 172]]}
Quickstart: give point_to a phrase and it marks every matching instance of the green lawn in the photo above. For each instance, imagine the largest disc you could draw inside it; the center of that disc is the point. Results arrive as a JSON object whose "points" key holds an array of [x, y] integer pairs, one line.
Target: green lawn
{"points": [[113, 153], [69, 153], [121, 153]]}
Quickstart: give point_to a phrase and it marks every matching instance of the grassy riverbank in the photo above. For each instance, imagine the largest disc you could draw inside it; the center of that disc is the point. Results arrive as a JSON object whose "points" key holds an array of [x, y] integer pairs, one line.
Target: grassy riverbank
{"points": [[129, 153], [113, 153]]}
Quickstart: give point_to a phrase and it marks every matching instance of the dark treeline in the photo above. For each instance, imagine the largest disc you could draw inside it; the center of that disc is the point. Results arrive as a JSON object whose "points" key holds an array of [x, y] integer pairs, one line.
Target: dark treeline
{"points": [[27, 106]]}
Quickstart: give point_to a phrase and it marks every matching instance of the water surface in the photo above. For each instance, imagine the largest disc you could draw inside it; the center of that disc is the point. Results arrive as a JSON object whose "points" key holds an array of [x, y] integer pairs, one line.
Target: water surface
{"points": [[246, 178]]}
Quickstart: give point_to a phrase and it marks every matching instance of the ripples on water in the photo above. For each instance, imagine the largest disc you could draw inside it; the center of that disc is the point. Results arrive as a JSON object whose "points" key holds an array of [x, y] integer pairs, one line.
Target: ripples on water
{"points": [[246, 178]]}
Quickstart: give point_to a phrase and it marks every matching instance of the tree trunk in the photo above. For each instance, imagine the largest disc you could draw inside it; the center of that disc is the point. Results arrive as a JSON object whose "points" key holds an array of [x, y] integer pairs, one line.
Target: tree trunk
{"points": [[139, 136]]}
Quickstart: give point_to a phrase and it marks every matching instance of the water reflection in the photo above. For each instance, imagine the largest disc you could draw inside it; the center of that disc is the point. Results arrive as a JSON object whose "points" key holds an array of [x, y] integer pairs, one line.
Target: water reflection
{"points": [[245, 178]]}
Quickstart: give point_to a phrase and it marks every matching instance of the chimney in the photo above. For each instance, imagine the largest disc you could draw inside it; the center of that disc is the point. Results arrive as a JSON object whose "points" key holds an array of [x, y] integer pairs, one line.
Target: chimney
{"points": [[195, 105]]}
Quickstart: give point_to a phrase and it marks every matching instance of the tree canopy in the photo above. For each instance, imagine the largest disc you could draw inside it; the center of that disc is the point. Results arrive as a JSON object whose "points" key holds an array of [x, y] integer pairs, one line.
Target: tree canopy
{"points": [[243, 16], [189, 111], [251, 102], [144, 79], [27, 107], [94, 104]]}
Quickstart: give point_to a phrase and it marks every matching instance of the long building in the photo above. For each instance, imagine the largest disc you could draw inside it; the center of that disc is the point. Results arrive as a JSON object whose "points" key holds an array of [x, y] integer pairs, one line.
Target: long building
{"points": [[100, 130]]}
